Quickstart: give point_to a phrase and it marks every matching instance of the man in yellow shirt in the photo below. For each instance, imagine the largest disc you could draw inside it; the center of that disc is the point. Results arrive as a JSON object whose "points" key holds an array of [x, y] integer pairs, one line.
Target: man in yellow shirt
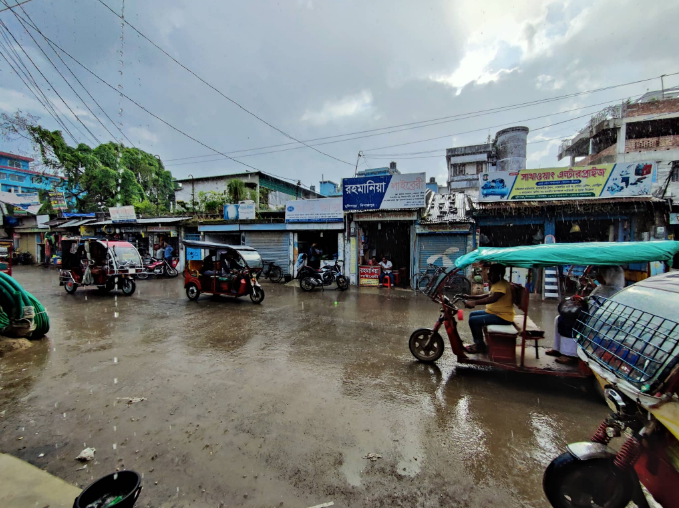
{"points": [[499, 308]]}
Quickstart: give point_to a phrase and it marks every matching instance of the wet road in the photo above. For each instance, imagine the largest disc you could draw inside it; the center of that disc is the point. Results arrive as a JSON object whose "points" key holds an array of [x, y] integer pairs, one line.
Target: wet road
{"points": [[277, 404]]}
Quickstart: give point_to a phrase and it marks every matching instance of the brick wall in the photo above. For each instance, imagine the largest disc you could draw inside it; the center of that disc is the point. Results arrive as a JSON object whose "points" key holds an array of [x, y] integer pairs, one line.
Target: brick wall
{"points": [[659, 143], [652, 108]]}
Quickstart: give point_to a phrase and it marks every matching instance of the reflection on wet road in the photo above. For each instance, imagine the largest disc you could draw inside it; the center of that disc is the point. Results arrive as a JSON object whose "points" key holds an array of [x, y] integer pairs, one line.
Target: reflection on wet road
{"points": [[258, 405]]}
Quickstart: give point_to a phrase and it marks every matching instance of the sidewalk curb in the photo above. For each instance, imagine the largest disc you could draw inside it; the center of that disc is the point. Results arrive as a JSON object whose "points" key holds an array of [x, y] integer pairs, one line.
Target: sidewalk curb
{"points": [[26, 486]]}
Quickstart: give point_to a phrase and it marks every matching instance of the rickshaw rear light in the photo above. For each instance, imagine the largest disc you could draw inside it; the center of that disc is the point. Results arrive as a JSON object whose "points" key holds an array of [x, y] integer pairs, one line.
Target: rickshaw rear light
{"points": [[460, 315]]}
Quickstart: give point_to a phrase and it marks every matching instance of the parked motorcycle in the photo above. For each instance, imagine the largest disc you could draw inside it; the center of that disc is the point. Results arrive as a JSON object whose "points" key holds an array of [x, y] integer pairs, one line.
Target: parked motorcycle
{"points": [[22, 258], [159, 267], [309, 277]]}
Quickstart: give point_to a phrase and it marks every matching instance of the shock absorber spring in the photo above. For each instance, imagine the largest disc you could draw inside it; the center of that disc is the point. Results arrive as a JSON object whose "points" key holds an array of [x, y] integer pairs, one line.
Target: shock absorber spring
{"points": [[601, 436], [628, 454]]}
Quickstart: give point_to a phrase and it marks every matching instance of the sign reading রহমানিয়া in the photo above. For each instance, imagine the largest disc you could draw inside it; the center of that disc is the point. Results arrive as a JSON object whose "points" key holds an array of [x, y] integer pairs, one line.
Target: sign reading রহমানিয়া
{"points": [[384, 192], [600, 181]]}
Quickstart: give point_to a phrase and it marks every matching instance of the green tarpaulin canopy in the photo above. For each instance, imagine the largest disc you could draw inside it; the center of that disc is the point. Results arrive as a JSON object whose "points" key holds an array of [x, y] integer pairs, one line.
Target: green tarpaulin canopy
{"points": [[557, 254]]}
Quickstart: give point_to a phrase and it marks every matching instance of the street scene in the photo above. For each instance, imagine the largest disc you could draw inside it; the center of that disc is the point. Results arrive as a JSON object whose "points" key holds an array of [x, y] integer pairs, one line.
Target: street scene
{"points": [[339, 254]]}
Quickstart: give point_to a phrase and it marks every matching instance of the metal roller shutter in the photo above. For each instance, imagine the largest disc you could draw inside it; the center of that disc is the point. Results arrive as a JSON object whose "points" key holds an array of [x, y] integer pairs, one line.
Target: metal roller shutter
{"points": [[441, 250], [272, 246]]}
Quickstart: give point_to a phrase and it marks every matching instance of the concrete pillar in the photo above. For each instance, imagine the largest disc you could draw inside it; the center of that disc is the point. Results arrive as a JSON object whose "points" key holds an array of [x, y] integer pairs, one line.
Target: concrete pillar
{"points": [[550, 226], [591, 146], [572, 160], [622, 136]]}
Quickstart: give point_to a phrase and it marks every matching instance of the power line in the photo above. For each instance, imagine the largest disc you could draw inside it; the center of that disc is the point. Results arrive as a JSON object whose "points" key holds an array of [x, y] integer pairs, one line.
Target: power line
{"points": [[63, 77], [146, 110], [446, 119], [79, 82], [10, 7], [45, 78], [21, 66], [412, 142], [216, 89]]}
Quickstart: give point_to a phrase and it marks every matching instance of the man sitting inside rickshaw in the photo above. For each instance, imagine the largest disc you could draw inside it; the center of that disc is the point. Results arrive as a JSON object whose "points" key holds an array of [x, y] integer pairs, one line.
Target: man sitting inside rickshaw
{"points": [[499, 308]]}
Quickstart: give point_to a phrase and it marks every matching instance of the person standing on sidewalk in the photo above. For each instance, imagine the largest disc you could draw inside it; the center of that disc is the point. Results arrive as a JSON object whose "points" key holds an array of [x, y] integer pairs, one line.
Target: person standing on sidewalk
{"points": [[499, 308]]}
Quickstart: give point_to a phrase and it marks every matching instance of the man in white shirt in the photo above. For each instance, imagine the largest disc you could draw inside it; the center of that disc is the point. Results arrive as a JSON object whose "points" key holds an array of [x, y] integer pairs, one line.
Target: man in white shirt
{"points": [[386, 271]]}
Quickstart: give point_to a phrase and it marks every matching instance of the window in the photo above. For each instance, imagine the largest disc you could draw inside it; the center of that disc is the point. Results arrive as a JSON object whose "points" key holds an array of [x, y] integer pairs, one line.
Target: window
{"points": [[17, 178], [458, 169], [479, 168], [36, 179], [675, 172], [3, 176], [14, 164]]}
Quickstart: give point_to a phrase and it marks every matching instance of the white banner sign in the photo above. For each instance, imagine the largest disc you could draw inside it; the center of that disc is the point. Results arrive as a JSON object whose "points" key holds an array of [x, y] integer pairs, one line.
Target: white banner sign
{"points": [[122, 214], [314, 210], [242, 211]]}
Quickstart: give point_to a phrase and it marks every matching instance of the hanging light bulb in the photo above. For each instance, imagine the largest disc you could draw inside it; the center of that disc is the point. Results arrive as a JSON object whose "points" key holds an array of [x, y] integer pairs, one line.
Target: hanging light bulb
{"points": [[575, 228]]}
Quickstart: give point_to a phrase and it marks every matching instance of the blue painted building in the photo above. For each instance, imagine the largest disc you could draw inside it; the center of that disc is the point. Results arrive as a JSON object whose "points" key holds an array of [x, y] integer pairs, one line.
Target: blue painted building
{"points": [[329, 189], [16, 176]]}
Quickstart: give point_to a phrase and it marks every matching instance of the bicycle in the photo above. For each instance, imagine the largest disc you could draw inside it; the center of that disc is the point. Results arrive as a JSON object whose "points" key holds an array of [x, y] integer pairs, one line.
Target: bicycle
{"points": [[271, 271], [458, 284]]}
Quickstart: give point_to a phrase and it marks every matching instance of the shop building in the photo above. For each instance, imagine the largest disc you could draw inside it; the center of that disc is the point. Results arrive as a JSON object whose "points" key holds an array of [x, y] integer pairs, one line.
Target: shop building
{"points": [[381, 213], [445, 231]]}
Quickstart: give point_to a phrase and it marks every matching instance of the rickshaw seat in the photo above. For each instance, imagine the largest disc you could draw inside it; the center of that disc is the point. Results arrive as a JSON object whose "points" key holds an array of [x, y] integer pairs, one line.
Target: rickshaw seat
{"points": [[521, 298], [503, 330], [195, 265]]}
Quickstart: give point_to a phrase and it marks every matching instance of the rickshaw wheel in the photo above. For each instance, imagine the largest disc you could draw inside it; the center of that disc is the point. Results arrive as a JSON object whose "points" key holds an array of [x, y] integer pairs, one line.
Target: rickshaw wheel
{"points": [[426, 345], [70, 287], [128, 287], [192, 291], [257, 296], [276, 274], [569, 482]]}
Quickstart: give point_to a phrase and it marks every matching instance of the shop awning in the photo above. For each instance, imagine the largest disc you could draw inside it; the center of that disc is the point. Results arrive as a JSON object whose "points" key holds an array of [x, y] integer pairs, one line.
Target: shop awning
{"points": [[586, 253], [75, 223]]}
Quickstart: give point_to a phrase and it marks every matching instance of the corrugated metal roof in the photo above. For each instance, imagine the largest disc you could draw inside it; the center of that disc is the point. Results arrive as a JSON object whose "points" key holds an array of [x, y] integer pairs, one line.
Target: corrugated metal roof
{"points": [[162, 220], [442, 208], [543, 203]]}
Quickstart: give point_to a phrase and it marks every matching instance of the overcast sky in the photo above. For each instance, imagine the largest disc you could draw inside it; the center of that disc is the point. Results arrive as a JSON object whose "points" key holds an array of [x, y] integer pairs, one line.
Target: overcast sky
{"points": [[321, 68]]}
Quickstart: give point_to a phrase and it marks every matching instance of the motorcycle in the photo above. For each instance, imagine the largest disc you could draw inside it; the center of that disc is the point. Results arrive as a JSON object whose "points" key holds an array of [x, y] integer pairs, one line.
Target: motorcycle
{"points": [[309, 277], [159, 267]]}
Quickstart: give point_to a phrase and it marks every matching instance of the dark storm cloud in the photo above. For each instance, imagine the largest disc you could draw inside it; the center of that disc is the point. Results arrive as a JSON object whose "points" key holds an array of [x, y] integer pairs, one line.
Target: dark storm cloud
{"points": [[316, 69]]}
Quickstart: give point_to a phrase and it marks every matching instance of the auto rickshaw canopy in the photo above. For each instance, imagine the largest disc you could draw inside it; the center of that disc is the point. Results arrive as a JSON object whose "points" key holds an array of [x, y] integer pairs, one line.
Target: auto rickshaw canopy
{"points": [[587, 253], [249, 255]]}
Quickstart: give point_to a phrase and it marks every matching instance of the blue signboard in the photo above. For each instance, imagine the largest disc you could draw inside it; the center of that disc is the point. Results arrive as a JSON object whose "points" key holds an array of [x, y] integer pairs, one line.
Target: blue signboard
{"points": [[390, 192]]}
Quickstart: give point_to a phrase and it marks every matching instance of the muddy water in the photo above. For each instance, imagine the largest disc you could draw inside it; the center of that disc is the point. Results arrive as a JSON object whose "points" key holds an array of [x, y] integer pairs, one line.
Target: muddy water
{"points": [[279, 403]]}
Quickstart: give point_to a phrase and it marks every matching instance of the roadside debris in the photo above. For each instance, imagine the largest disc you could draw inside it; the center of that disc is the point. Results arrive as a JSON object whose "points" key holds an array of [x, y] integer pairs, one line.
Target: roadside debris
{"points": [[324, 505], [41, 455], [371, 457], [131, 400], [81, 468], [86, 455]]}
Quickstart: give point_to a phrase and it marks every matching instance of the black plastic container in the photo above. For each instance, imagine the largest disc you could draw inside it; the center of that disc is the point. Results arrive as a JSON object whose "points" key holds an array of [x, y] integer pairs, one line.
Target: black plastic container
{"points": [[124, 483]]}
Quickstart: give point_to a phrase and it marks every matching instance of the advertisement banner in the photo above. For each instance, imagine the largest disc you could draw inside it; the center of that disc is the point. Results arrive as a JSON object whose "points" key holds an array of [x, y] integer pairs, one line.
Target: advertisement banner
{"points": [[314, 210], [625, 179], [57, 201], [26, 202], [121, 214], [242, 211], [389, 192], [369, 275]]}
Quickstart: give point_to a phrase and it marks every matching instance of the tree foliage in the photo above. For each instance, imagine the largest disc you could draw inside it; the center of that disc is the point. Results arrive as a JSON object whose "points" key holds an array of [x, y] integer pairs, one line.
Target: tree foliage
{"points": [[108, 175]]}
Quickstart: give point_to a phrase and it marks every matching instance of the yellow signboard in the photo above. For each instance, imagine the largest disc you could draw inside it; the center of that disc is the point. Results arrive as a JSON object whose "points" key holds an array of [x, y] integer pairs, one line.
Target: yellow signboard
{"points": [[600, 181]]}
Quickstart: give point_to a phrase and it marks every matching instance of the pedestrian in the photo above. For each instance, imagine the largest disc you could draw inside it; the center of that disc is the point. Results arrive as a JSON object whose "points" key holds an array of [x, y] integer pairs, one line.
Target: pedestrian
{"points": [[315, 256], [385, 271], [167, 251]]}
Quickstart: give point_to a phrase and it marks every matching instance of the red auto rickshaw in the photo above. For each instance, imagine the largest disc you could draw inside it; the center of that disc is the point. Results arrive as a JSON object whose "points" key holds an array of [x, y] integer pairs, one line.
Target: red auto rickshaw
{"points": [[228, 270], [101, 263]]}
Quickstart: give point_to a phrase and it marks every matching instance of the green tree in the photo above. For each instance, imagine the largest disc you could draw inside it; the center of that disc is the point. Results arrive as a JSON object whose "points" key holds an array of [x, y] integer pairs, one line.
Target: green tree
{"points": [[108, 175], [237, 191]]}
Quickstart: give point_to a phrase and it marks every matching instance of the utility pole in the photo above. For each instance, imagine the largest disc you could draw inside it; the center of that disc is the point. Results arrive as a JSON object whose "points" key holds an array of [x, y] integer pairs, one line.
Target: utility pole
{"points": [[662, 85], [193, 195], [360, 154]]}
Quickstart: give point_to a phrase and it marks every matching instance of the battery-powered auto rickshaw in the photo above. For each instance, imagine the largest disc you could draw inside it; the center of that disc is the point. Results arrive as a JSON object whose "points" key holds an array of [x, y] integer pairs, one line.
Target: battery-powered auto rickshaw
{"points": [[631, 343], [228, 270], [6, 248], [108, 265], [426, 344]]}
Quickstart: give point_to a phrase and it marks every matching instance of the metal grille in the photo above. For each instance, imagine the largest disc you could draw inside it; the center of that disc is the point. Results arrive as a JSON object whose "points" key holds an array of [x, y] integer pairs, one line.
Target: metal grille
{"points": [[635, 345]]}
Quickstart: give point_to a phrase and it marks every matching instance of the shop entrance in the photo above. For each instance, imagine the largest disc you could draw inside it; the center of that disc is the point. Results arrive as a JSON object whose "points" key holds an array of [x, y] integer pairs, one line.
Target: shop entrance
{"points": [[509, 235], [585, 231], [387, 238], [324, 240]]}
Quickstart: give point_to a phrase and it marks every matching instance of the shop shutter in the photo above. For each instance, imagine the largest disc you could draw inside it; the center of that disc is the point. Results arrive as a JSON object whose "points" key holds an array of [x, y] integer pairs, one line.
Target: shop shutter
{"points": [[441, 250], [272, 246]]}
